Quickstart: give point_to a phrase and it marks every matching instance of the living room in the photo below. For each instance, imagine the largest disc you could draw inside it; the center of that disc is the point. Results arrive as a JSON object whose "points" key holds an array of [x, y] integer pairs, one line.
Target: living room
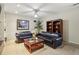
{"points": [[10, 13]]}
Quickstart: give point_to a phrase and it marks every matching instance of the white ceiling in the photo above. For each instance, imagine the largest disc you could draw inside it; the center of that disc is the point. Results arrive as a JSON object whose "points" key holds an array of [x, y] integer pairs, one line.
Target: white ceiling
{"points": [[44, 9]]}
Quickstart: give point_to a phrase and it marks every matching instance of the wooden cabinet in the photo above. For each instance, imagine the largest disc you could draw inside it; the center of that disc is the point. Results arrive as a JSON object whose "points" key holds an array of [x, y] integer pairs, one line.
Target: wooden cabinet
{"points": [[55, 26], [49, 26]]}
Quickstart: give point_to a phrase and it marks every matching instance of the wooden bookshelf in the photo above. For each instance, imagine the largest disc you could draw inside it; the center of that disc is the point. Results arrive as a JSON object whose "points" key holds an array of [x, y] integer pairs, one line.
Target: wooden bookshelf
{"points": [[55, 26]]}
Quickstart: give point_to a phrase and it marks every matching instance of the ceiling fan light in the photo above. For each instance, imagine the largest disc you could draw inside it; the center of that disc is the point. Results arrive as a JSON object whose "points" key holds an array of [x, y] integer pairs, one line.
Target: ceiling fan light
{"points": [[16, 12], [18, 5], [35, 16]]}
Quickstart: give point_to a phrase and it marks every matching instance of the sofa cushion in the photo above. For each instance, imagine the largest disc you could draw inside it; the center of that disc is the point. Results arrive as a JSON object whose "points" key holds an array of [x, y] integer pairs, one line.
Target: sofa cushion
{"points": [[49, 37], [23, 35], [25, 32]]}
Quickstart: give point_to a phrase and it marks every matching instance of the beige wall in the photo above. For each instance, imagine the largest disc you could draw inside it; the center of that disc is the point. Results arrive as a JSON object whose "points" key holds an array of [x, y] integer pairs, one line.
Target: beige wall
{"points": [[72, 18], [11, 24], [2, 24]]}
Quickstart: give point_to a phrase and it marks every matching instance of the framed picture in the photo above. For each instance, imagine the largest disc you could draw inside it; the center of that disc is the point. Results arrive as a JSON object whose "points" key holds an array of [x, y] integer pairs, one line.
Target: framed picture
{"points": [[22, 24]]}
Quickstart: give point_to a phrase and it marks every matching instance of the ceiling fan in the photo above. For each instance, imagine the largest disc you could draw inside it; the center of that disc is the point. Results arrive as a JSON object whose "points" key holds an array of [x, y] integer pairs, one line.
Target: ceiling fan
{"points": [[36, 11]]}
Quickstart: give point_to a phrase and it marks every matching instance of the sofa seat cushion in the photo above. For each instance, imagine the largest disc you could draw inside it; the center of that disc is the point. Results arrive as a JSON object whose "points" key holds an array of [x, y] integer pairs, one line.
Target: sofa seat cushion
{"points": [[45, 39]]}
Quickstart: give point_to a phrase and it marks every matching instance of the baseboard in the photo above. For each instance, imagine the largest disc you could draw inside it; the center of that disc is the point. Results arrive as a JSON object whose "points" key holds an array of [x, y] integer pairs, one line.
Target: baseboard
{"points": [[71, 44]]}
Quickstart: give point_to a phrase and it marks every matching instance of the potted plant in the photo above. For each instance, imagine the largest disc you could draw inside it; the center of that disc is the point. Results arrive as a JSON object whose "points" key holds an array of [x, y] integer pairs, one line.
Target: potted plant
{"points": [[38, 26]]}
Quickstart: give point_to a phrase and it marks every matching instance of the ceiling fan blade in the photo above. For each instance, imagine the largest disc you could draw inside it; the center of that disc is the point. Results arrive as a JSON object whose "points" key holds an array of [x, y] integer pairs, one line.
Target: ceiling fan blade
{"points": [[27, 12], [28, 6], [42, 6], [49, 12], [75, 4]]}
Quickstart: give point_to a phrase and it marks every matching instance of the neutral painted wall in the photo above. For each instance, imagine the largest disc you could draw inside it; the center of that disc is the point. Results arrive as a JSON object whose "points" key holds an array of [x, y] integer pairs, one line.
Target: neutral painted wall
{"points": [[11, 24], [2, 24], [72, 18]]}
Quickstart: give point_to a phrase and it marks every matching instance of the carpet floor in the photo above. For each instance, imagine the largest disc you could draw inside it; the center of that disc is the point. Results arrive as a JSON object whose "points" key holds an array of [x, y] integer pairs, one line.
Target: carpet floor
{"points": [[12, 48]]}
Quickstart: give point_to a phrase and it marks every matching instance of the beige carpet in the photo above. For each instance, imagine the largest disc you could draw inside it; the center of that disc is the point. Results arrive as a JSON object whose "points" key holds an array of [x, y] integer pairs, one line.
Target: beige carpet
{"points": [[11, 48]]}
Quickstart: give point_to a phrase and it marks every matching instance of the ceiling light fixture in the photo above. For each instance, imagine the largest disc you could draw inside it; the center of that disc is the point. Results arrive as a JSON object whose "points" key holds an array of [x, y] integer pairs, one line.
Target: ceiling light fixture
{"points": [[36, 11], [18, 5], [16, 12], [35, 15]]}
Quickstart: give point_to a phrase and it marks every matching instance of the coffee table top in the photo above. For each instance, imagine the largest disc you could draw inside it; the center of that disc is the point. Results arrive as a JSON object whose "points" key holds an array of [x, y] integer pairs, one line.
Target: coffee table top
{"points": [[32, 42]]}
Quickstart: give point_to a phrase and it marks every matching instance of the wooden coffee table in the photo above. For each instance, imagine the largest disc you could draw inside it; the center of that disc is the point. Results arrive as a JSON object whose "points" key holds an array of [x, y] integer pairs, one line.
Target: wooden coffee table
{"points": [[33, 45]]}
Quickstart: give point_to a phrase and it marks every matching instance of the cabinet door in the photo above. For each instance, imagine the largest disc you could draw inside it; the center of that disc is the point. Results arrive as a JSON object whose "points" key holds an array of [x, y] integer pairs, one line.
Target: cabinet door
{"points": [[49, 26]]}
